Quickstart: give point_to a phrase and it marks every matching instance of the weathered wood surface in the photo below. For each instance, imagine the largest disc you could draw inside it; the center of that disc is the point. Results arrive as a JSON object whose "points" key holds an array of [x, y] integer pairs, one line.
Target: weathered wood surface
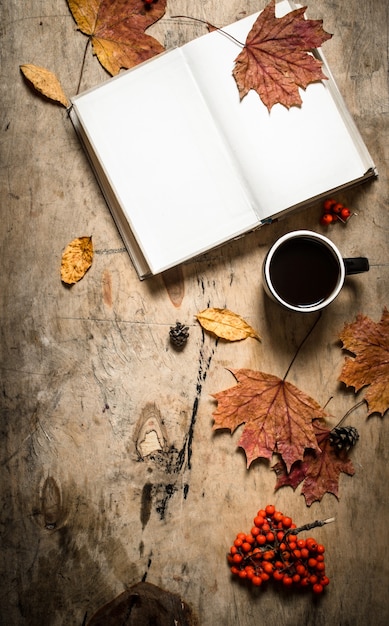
{"points": [[86, 512]]}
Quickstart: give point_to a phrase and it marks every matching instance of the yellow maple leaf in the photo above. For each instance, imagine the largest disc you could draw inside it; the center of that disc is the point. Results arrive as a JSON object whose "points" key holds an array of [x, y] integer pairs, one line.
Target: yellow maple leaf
{"points": [[76, 259], [226, 324], [45, 82]]}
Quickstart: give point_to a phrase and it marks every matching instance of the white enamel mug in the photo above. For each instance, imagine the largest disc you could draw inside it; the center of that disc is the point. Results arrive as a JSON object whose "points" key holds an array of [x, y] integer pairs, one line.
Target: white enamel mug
{"points": [[304, 271]]}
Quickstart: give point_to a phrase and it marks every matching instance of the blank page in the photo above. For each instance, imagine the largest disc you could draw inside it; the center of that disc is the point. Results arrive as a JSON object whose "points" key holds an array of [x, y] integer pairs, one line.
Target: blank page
{"points": [[166, 160]]}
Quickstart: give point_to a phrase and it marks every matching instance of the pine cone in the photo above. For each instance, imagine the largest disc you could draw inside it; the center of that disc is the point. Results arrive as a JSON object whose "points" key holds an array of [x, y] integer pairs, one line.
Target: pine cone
{"points": [[179, 334], [343, 437]]}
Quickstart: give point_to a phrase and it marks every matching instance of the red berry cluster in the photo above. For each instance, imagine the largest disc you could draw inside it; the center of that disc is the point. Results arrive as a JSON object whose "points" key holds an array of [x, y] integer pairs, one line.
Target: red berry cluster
{"points": [[272, 550], [334, 211]]}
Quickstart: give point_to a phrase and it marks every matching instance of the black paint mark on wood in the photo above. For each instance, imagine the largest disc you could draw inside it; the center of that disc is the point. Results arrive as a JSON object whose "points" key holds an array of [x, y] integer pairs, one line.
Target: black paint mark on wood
{"points": [[146, 503]]}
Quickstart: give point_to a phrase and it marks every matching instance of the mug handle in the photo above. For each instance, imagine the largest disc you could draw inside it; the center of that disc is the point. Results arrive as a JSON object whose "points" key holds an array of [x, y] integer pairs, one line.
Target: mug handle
{"points": [[356, 265]]}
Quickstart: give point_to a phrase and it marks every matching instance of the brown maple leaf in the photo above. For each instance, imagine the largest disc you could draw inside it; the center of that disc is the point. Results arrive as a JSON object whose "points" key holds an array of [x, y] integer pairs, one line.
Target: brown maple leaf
{"points": [[277, 416], [369, 341], [319, 473], [117, 30], [275, 60]]}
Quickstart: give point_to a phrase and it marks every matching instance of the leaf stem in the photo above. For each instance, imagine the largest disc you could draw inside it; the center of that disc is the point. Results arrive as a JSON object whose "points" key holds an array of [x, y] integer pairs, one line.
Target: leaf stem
{"points": [[82, 65], [209, 25], [301, 345], [353, 408]]}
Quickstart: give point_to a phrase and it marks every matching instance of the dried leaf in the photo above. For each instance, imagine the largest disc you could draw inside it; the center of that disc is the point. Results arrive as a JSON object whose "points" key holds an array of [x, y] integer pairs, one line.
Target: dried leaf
{"points": [[45, 82], [369, 341], [226, 324], [117, 30], [275, 60], [318, 473], [76, 259], [277, 416]]}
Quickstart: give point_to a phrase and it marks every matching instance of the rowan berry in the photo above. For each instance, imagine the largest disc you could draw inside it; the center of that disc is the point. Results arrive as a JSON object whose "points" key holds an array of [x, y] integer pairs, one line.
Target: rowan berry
{"points": [[328, 204], [300, 543], [257, 581], [268, 555], [246, 547], [337, 208], [234, 570], [237, 558], [320, 548], [265, 576], [311, 544], [320, 567], [270, 509], [312, 563], [259, 521], [270, 537], [317, 588], [287, 580], [296, 578], [278, 516], [278, 575], [238, 542], [286, 522], [326, 219], [261, 540], [268, 567], [242, 573], [345, 213], [324, 580], [255, 531], [304, 553]]}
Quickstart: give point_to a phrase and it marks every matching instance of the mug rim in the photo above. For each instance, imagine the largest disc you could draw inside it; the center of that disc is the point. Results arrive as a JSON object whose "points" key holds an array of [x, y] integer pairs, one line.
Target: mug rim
{"points": [[312, 235]]}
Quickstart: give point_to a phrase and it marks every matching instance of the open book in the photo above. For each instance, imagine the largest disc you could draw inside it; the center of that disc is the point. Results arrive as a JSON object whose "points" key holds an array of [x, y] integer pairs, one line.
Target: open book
{"points": [[185, 165]]}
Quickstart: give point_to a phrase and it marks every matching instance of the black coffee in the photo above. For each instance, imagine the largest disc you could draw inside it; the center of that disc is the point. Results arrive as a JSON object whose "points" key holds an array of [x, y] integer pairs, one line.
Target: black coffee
{"points": [[304, 272]]}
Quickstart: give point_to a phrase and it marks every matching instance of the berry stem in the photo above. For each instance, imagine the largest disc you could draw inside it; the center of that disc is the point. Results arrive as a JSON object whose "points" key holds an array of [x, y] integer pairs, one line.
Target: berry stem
{"points": [[309, 526]]}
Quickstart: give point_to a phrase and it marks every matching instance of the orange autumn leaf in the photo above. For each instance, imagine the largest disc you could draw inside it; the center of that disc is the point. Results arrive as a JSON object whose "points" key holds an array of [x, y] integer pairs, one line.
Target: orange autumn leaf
{"points": [[318, 473], [276, 59], [76, 260], [276, 414], [369, 342], [45, 82], [117, 30]]}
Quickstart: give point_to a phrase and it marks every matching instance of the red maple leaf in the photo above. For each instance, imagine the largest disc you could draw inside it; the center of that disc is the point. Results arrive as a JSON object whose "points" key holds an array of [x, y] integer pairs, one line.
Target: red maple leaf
{"points": [[319, 473], [117, 30], [369, 341], [277, 416], [276, 59]]}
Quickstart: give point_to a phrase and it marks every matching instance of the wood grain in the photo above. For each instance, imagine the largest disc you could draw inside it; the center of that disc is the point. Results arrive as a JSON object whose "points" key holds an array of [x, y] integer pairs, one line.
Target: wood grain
{"points": [[91, 504]]}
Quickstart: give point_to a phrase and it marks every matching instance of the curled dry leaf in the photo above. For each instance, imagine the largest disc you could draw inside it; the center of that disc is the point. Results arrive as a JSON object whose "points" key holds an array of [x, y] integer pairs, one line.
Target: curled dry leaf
{"points": [[76, 259], [369, 341], [117, 30], [275, 60], [226, 324], [45, 82]]}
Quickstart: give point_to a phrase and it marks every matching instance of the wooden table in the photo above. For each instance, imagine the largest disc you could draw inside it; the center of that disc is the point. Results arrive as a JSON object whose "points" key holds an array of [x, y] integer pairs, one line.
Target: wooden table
{"points": [[86, 509]]}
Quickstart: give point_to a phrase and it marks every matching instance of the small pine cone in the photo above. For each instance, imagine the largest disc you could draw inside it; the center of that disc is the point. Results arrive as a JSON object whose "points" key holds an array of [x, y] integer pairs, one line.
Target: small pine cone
{"points": [[343, 437], [179, 334]]}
